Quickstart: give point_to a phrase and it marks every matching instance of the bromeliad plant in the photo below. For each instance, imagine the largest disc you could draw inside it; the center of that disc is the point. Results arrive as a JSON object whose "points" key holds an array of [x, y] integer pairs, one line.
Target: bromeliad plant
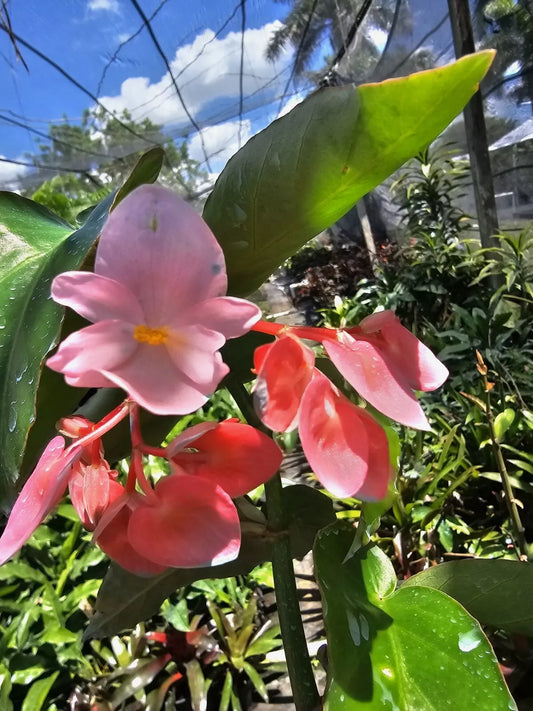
{"points": [[164, 330]]}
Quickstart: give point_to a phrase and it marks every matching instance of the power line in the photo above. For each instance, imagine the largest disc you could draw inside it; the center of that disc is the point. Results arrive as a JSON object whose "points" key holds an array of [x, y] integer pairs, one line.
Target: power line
{"points": [[123, 44], [190, 62], [241, 72], [389, 37], [420, 43], [5, 21], [57, 168], [358, 21], [77, 84], [174, 83], [298, 52], [54, 139]]}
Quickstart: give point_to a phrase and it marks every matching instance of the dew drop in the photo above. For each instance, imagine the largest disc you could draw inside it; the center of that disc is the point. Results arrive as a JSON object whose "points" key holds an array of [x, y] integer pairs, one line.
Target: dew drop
{"points": [[469, 640], [12, 418]]}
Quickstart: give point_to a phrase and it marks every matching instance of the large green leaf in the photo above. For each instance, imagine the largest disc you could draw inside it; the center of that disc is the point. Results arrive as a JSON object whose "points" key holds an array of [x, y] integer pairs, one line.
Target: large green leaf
{"points": [[308, 168], [495, 592], [145, 170], [126, 599], [36, 246], [410, 649]]}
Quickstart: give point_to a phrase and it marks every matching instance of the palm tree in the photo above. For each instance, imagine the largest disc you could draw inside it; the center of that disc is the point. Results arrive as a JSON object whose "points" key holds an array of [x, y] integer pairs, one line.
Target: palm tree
{"points": [[310, 23], [507, 26]]}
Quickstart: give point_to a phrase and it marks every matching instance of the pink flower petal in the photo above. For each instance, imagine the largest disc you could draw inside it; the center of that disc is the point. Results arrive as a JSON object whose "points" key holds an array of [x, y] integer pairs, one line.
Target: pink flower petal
{"points": [[154, 381], [409, 356], [233, 455], [188, 436], [40, 495], [335, 437], [284, 369], [369, 372], [114, 541], [92, 350], [96, 298], [194, 353], [161, 250], [193, 524], [227, 315], [380, 472]]}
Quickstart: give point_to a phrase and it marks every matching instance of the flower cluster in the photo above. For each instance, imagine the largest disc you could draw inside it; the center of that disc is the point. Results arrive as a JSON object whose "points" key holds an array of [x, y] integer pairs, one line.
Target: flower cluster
{"points": [[187, 519], [159, 316], [345, 446]]}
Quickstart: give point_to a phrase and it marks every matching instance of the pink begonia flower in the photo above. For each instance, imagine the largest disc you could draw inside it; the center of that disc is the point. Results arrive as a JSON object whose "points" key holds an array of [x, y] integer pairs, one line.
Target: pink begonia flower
{"points": [[385, 362], [345, 447], [157, 304], [39, 496], [284, 369]]}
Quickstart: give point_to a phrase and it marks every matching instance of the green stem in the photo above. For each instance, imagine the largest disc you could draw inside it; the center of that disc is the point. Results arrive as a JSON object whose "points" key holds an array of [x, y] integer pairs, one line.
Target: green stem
{"points": [[510, 501], [305, 693]]}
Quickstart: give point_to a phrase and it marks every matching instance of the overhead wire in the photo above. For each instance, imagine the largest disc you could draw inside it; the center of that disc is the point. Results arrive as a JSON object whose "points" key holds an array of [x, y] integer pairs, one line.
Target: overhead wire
{"points": [[298, 53], [77, 84], [190, 62], [358, 21], [174, 82], [48, 137], [241, 71], [390, 35], [122, 44], [420, 43], [57, 168]]}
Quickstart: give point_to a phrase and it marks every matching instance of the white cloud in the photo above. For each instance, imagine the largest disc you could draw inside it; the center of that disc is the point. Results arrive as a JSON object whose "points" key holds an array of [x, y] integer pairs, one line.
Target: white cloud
{"points": [[220, 142], [291, 103], [205, 70], [107, 5], [11, 172]]}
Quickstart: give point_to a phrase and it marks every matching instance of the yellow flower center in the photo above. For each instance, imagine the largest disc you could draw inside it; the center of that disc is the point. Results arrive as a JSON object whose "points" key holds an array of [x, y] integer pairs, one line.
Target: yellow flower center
{"points": [[152, 336]]}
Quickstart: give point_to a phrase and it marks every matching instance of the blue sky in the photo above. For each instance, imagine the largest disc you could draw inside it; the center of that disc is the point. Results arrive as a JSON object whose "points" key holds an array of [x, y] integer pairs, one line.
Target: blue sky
{"points": [[200, 38], [82, 36]]}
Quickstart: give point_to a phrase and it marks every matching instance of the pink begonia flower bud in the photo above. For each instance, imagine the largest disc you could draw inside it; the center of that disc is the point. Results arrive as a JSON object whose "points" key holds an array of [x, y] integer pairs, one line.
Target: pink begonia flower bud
{"points": [[92, 487], [157, 306], [284, 369], [39, 496], [346, 448], [385, 362]]}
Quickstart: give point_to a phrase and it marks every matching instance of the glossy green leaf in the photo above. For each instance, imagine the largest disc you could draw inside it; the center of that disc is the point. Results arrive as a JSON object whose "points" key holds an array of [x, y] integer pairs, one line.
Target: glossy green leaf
{"points": [[408, 649], [125, 599], [503, 421], [145, 170], [37, 246], [308, 168], [36, 696], [136, 676], [198, 685], [495, 592], [5, 689]]}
